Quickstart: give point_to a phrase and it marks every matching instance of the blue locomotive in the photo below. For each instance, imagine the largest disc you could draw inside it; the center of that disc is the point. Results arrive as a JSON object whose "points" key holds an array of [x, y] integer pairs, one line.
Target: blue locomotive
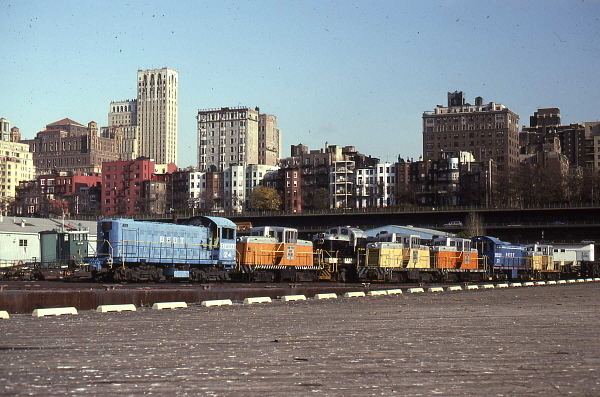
{"points": [[504, 260], [130, 250]]}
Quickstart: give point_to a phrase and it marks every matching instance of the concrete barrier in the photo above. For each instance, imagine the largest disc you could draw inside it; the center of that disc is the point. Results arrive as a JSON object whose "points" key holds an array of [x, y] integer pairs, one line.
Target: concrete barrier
{"points": [[220, 302], [528, 284], [415, 290], [487, 286], [55, 311], [571, 281], [589, 279], [539, 283], [471, 287], [503, 285], [551, 282], [293, 298], [257, 299], [377, 293], [515, 284], [354, 294], [325, 296], [454, 288], [580, 280], [561, 282], [169, 305], [435, 289], [596, 278], [116, 308], [4, 315], [396, 291]]}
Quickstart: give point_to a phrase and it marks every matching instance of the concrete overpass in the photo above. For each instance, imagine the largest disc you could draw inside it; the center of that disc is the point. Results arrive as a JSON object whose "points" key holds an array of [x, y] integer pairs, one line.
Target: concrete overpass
{"points": [[567, 224]]}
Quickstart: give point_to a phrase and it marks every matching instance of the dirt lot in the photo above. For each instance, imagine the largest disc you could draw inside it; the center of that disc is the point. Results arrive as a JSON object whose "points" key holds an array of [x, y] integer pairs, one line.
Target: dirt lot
{"points": [[529, 341]]}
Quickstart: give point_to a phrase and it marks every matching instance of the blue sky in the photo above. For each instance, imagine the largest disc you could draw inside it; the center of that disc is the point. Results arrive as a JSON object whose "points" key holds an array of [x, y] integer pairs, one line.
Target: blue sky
{"points": [[349, 73]]}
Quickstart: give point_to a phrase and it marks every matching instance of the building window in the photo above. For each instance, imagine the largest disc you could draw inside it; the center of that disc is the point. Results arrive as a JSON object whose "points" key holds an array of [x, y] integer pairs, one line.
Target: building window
{"points": [[22, 243]]}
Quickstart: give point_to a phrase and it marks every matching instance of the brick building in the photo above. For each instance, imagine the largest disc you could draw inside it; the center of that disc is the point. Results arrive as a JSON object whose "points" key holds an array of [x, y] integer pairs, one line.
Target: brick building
{"points": [[59, 193], [488, 131], [122, 186], [68, 146]]}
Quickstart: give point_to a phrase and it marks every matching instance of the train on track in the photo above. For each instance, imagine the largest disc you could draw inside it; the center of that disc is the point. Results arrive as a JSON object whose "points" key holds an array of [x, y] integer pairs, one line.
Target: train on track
{"points": [[210, 250]]}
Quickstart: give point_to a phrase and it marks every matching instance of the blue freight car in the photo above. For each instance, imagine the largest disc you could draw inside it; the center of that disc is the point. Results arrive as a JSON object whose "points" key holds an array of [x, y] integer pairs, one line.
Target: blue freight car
{"points": [[136, 250], [503, 258]]}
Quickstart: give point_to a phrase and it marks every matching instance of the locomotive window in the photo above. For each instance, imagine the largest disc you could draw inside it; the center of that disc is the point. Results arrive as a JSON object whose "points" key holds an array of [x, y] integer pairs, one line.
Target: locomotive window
{"points": [[227, 233], [345, 232]]}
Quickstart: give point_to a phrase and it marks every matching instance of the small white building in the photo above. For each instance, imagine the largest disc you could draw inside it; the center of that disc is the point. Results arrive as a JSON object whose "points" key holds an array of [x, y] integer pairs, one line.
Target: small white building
{"points": [[375, 186], [20, 238]]}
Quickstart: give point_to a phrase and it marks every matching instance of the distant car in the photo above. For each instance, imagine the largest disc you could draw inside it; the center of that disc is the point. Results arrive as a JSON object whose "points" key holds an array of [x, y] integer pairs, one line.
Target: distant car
{"points": [[453, 224]]}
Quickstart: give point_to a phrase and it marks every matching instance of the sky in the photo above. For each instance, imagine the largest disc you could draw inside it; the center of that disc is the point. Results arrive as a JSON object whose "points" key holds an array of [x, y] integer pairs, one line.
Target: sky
{"points": [[342, 72]]}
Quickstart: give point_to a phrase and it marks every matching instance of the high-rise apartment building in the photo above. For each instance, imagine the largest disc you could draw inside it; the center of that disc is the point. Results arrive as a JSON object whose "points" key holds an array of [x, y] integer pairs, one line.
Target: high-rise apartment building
{"points": [[489, 131], [236, 136], [16, 162], [157, 98], [269, 141], [122, 117]]}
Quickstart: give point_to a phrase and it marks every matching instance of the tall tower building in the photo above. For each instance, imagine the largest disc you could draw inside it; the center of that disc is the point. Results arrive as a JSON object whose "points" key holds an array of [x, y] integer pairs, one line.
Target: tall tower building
{"points": [[157, 114]]}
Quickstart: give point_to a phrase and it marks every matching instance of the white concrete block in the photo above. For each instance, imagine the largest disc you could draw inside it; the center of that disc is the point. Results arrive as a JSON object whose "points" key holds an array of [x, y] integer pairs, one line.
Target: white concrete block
{"points": [[115, 308], [325, 296], [396, 291], [571, 281], [257, 299], [539, 283], [454, 288], [219, 302], [503, 285], [415, 290], [435, 289], [561, 282], [515, 284], [596, 278], [471, 287], [377, 293], [55, 311], [589, 279], [354, 294], [293, 298], [169, 305], [551, 282], [487, 286], [4, 315], [580, 280], [528, 284]]}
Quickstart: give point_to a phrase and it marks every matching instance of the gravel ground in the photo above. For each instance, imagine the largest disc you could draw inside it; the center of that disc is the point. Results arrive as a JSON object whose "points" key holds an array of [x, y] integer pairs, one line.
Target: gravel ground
{"points": [[526, 341]]}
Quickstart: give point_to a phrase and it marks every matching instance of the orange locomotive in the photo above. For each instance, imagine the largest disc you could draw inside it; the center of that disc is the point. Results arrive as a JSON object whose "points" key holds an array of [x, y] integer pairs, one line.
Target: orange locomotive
{"points": [[455, 256], [273, 253]]}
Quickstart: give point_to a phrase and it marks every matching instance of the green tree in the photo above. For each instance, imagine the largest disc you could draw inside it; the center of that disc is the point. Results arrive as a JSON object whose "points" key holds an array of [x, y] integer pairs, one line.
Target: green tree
{"points": [[264, 198], [316, 199]]}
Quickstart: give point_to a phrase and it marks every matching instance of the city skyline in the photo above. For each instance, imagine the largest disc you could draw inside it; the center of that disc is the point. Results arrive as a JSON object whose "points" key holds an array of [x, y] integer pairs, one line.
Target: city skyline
{"points": [[359, 74]]}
